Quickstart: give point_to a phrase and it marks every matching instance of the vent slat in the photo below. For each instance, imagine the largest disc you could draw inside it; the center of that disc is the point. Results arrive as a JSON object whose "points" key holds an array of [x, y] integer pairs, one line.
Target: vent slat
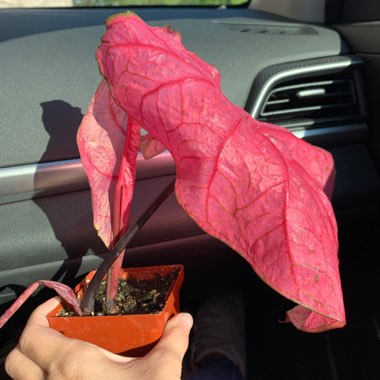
{"points": [[311, 92], [306, 109], [280, 101]]}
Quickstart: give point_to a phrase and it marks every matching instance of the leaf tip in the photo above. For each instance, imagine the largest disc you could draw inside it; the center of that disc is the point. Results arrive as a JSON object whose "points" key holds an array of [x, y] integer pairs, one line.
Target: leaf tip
{"points": [[111, 19]]}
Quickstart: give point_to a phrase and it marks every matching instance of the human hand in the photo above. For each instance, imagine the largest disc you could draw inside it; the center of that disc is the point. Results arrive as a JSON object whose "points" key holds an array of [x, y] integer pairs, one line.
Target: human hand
{"points": [[43, 353]]}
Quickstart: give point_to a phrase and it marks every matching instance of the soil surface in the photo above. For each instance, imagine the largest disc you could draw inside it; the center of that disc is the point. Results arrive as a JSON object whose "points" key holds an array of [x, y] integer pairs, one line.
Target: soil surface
{"points": [[136, 296]]}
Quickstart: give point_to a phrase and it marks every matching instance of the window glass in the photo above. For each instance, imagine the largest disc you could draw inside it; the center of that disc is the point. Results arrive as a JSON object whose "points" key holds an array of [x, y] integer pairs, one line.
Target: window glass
{"points": [[113, 3]]}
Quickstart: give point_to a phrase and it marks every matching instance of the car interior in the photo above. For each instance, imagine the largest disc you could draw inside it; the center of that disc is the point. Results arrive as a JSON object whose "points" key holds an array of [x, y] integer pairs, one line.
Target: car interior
{"points": [[312, 67]]}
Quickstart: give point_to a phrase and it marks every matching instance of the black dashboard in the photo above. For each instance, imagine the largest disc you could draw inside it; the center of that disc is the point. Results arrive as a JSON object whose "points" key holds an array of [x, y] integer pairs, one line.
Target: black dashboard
{"points": [[53, 59]]}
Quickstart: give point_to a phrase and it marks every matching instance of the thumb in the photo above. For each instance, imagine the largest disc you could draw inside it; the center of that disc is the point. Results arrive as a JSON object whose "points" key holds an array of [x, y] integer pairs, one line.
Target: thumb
{"points": [[172, 347]]}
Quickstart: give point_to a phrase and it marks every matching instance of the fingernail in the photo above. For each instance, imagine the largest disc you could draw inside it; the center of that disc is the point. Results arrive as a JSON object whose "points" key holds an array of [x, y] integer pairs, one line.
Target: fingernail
{"points": [[186, 320]]}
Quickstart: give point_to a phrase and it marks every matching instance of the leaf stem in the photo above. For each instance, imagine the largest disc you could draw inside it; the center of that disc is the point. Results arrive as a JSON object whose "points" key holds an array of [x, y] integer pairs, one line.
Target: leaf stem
{"points": [[87, 304]]}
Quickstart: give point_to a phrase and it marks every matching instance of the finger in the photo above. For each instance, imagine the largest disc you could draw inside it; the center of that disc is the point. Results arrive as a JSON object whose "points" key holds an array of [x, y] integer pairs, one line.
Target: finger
{"points": [[19, 366], [172, 347], [39, 342]]}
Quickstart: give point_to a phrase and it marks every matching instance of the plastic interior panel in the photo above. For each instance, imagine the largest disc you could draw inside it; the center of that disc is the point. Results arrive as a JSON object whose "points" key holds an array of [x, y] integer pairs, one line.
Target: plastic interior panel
{"points": [[56, 65]]}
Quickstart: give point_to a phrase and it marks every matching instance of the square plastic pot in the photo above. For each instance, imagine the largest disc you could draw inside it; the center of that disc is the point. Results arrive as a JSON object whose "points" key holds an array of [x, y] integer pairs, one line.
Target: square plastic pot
{"points": [[132, 335]]}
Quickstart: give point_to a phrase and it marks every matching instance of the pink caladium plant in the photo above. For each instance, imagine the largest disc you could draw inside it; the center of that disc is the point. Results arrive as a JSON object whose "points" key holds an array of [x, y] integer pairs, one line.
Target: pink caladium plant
{"points": [[253, 185]]}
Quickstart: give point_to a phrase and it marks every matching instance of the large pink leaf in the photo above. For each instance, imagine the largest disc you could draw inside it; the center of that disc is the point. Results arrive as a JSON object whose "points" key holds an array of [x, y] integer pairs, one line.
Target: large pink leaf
{"points": [[253, 185]]}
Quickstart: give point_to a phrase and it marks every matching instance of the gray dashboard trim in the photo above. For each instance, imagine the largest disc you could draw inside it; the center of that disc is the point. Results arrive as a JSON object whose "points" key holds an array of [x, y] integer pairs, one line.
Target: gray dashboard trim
{"points": [[42, 179]]}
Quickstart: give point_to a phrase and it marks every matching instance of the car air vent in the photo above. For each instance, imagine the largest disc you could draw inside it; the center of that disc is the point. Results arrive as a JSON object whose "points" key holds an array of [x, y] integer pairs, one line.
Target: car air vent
{"points": [[311, 101], [270, 29]]}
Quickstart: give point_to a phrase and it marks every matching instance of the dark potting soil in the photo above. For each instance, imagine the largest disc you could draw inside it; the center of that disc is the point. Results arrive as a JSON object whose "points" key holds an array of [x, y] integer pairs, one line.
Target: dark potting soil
{"points": [[136, 296]]}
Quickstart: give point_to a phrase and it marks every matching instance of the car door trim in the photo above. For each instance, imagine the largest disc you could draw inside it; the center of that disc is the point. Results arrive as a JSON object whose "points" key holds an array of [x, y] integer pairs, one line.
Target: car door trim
{"points": [[50, 178]]}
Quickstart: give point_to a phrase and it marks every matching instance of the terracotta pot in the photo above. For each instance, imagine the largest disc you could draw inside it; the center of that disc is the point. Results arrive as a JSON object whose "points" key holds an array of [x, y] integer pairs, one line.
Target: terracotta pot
{"points": [[132, 335]]}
